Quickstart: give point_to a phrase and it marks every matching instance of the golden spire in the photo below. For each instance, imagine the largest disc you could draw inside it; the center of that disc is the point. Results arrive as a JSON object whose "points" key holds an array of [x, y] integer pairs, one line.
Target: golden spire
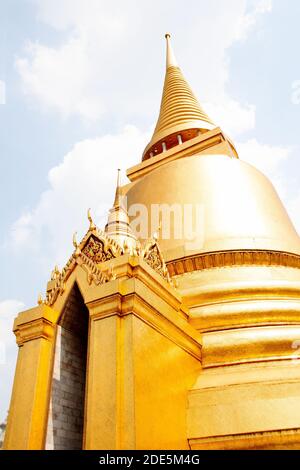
{"points": [[181, 117], [117, 201], [118, 226]]}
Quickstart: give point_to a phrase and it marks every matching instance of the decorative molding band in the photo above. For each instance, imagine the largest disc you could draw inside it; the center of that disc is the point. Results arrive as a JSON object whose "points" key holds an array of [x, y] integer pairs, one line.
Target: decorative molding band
{"points": [[175, 329], [199, 145], [164, 290], [252, 441], [40, 328], [223, 259], [255, 312]]}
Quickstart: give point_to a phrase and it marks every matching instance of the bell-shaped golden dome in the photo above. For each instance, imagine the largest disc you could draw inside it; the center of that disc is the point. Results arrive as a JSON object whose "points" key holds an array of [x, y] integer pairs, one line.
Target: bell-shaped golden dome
{"points": [[238, 205]]}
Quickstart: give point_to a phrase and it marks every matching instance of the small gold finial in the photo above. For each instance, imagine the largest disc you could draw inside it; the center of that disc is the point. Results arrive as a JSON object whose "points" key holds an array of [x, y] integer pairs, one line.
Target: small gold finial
{"points": [[156, 235], [167, 35], [92, 225], [75, 244], [40, 300], [55, 273]]}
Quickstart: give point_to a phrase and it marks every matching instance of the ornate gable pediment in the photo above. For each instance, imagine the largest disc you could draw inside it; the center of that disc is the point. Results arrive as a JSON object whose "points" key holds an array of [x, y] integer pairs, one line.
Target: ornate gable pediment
{"points": [[154, 258], [97, 248], [58, 281]]}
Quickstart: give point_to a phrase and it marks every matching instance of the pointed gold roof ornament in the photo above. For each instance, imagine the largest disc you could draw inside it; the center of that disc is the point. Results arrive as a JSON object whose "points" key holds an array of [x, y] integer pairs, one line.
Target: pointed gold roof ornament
{"points": [[75, 243], [117, 201], [55, 273], [90, 219], [118, 226], [156, 235], [181, 117]]}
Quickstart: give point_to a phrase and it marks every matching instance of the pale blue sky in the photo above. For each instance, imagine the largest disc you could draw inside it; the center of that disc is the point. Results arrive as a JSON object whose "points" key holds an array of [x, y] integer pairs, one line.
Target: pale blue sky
{"points": [[77, 70]]}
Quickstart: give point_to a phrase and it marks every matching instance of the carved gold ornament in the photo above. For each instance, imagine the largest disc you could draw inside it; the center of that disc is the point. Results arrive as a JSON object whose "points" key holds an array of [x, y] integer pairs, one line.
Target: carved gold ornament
{"points": [[97, 248], [96, 251], [153, 257]]}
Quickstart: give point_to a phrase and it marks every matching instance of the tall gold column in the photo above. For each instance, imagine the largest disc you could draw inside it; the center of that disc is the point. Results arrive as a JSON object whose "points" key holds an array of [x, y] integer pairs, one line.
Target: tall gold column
{"points": [[109, 403], [27, 419], [143, 357]]}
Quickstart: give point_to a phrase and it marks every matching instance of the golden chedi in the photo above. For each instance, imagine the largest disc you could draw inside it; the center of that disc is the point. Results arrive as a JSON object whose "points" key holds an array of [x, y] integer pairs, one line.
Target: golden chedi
{"points": [[186, 339]]}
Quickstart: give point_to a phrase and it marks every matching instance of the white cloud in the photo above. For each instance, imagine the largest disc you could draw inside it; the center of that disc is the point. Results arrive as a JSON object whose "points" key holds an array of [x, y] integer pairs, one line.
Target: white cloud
{"points": [[8, 350], [248, 21], [270, 160], [2, 92], [294, 210], [296, 92], [231, 116], [85, 178], [8, 311], [72, 77], [57, 78], [108, 57], [266, 158]]}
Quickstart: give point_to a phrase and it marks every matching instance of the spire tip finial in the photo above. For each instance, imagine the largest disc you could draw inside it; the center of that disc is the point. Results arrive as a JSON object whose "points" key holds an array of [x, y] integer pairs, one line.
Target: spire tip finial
{"points": [[119, 178], [118, 194], [171, 61]]}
